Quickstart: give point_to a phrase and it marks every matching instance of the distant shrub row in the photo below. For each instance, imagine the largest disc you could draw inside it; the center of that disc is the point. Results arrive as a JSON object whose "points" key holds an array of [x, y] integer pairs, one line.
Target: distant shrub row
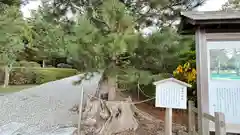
{"points": [[36, 75]]}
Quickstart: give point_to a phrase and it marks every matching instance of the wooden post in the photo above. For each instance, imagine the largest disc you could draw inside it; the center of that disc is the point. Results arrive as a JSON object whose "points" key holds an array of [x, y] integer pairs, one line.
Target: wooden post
{"points": [[80, 111], [191, 118], [202, 81], [168, 121], [220, 126]]}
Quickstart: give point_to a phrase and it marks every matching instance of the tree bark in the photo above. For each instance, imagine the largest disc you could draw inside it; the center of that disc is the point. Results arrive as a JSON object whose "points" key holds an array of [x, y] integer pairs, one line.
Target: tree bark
{"points": [[7, 75], [43, 64], [111, 88]]}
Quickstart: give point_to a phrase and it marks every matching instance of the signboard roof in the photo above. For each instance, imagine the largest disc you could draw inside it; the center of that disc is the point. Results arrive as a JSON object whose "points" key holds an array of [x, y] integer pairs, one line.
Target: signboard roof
{"points": [[172, 80], [208, 19], [212, 15]]}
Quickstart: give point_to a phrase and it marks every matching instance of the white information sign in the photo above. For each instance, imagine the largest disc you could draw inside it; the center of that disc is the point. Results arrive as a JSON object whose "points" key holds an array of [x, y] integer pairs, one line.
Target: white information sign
{"points": [[171, 95], [224, 82], [225, 99]]}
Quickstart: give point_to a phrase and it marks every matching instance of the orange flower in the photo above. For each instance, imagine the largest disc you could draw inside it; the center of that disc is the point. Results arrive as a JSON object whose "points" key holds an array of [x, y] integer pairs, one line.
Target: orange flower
{"points": [[179, 69], [185, 73]]}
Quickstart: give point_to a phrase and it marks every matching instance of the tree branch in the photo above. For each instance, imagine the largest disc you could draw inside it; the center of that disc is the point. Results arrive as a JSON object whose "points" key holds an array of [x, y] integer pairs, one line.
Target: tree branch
{"points": [[148, 14]]}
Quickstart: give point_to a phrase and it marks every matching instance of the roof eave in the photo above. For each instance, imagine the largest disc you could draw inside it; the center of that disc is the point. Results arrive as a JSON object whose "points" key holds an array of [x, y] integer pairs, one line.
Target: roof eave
{"points": [[172, 80], [188, 25]]}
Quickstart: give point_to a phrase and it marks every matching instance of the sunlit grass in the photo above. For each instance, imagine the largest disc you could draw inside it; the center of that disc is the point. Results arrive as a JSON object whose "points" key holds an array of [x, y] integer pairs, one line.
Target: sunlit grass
{"points": [[14, 88]]}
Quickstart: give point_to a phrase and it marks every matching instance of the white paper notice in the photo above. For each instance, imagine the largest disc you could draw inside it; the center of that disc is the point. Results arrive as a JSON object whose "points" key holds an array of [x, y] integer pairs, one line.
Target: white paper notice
{"points": [[225, 97], [171, 96], [224, 82]]}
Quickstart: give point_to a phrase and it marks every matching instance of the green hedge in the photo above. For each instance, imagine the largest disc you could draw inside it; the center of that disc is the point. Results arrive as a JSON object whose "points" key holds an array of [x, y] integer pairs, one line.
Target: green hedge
{"points": [[44, 75], [28, 64], [36, 75]]}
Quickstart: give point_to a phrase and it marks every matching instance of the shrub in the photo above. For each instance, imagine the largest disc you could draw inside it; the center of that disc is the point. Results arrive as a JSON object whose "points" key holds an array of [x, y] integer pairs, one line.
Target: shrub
{"points": [[29, 64], [188, 74], [35, 75], [44, 75], [21, 76]]}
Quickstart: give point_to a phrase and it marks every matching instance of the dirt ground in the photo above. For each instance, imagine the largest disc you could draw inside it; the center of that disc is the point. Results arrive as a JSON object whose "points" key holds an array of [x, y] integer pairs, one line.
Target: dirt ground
{"points": [[179, 116], [156, 126]]}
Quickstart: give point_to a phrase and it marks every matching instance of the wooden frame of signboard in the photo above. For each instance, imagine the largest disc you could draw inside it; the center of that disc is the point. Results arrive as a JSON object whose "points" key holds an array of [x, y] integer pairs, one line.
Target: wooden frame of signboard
{"points": [[208, 26], [205, 37]]}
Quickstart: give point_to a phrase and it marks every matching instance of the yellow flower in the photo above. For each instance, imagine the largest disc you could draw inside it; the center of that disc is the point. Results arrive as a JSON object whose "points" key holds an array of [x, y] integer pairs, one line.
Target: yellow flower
{"points": [[185, 73], [179, 69]]}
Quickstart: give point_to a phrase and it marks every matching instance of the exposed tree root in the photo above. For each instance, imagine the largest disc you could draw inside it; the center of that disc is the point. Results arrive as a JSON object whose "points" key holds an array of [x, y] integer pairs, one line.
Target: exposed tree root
{"points": [[117, 118]]}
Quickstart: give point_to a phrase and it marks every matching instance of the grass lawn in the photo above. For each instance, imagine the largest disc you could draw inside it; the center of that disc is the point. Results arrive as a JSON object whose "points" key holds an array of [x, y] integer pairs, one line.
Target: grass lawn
{"points": [[14, 88]]}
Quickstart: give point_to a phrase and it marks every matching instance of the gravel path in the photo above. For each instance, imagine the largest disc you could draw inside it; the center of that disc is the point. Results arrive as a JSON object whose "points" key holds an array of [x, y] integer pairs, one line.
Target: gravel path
{"points": [[46, 107]]}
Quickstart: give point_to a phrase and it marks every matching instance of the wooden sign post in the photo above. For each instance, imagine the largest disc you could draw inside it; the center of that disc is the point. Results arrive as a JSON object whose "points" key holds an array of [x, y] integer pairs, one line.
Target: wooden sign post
{"points": [[171, 93]]}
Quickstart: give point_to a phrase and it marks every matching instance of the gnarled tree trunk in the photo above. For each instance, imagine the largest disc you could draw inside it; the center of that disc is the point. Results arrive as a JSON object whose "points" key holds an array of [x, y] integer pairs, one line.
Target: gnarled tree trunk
{"points": [[108, 85], [108, 117], [111, 82]]}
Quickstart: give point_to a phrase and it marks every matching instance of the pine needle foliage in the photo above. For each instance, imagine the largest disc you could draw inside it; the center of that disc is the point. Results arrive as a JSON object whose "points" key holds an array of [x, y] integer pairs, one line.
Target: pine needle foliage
{"points": [[12, 30]]}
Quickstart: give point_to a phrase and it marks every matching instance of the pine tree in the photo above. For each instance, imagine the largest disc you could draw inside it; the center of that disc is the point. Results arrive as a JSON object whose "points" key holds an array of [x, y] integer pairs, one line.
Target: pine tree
{"points": [[145, 12], [103, 44], [106, 37], [108, 41], [46, 38]]}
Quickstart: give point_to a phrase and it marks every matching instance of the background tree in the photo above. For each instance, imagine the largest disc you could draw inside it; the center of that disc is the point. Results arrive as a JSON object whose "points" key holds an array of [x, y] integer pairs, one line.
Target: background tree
{"points": [[157, 55], [160, 51], [15, 3], [146, 12], [232, 5], [186, 69], [47, 38], [12, 31], [189, 55]]}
